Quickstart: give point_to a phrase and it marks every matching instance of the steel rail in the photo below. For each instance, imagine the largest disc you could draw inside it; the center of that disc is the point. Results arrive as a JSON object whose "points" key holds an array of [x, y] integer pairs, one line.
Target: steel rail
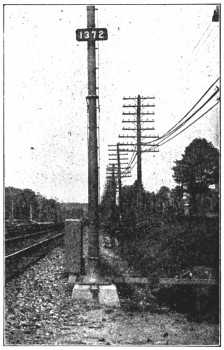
{"points": [[20, 252], [27, 236]]}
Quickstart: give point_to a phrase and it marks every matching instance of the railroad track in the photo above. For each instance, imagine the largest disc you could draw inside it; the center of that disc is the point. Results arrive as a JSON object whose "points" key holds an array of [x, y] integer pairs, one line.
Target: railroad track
{"points": [[12, 245], [18, 261], [18, 240]]}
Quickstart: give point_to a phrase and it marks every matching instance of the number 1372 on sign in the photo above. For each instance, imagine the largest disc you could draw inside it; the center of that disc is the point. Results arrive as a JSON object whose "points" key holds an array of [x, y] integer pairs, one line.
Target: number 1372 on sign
{"points": [[91, 34]]}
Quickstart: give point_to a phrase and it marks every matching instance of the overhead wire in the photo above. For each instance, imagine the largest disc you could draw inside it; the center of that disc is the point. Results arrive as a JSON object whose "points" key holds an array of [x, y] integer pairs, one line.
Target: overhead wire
{"points": [[128, 168], [184, 122], [162, 139], [130, 163], [208, 110], [205, 41], [201, 37], [197, 57], [191, 123], [176, 126], [201, 45]]}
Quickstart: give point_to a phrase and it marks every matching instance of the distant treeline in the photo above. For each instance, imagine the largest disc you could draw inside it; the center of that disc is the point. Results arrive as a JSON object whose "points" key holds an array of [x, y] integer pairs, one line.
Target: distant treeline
{"points": [[26, 205], [74, 210]]}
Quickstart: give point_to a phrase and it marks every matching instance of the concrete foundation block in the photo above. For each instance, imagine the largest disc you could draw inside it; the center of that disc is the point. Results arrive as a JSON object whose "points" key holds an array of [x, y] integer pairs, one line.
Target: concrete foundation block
{"points": [[108, 295], [100, 294], [82, 292]]}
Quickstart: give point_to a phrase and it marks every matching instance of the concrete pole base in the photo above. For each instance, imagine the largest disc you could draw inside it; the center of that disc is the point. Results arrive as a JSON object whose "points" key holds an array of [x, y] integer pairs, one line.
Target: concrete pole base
{"points": [[98, 294]]}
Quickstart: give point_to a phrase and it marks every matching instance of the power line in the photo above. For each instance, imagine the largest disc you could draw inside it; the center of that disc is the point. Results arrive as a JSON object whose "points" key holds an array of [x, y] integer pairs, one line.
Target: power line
{"points": [[176, 127], [206, 46], [191, 123], [206, 39], [130, 163], [188, 120], [196, 60], [129, 166], [163, 138], [166, 135], [201, 37]]}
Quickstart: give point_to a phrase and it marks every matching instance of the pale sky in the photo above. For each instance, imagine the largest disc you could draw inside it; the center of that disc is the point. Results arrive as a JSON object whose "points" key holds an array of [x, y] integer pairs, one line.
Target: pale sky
{"points": [[167, 51]]}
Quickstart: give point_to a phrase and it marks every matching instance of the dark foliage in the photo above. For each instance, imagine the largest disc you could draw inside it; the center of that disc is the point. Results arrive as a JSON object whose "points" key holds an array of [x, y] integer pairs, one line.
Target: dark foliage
{"points": [[165, 249], [198, 169], [25, 205]]}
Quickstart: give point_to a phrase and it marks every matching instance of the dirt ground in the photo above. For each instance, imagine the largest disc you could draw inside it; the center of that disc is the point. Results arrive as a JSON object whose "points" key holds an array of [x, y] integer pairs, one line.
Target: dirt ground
{"points": [[118, 327], [39, 311]]}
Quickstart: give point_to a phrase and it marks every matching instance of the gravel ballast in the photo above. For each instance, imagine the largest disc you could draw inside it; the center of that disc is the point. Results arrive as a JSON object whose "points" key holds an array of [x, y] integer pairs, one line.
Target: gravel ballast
{"points": [[39, 310]]}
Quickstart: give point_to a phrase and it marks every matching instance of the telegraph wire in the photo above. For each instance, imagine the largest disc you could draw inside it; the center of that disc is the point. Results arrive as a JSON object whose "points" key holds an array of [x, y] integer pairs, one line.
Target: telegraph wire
{"points": [[198, 57], [194, 53], [201, 37], [163, 138], [205, 49], [130, 164], [176, 127], [184, 122], [163, 142], [205, 41], [191, 123]]}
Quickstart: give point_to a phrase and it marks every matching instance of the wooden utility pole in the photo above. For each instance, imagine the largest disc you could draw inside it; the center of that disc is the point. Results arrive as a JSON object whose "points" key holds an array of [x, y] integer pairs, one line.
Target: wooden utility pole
{"points": [[138, 129], [91, 34], [122, 169], [93, 287], [139, 153], [93, 249], [119, 182], [138, 137], [139, 159], [113, 204]]}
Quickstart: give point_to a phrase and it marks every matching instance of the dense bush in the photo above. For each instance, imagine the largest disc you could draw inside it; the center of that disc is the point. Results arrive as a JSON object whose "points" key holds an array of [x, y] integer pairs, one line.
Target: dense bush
{"points": [[165, 249]]}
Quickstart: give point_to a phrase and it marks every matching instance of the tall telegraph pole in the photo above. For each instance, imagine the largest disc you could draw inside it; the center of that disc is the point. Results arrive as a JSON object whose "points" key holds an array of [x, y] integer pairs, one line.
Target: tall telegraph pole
{"points": [[91, 34], [122, 170], [139, 155], [93, 250], [119, 182], [139, 137]]}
